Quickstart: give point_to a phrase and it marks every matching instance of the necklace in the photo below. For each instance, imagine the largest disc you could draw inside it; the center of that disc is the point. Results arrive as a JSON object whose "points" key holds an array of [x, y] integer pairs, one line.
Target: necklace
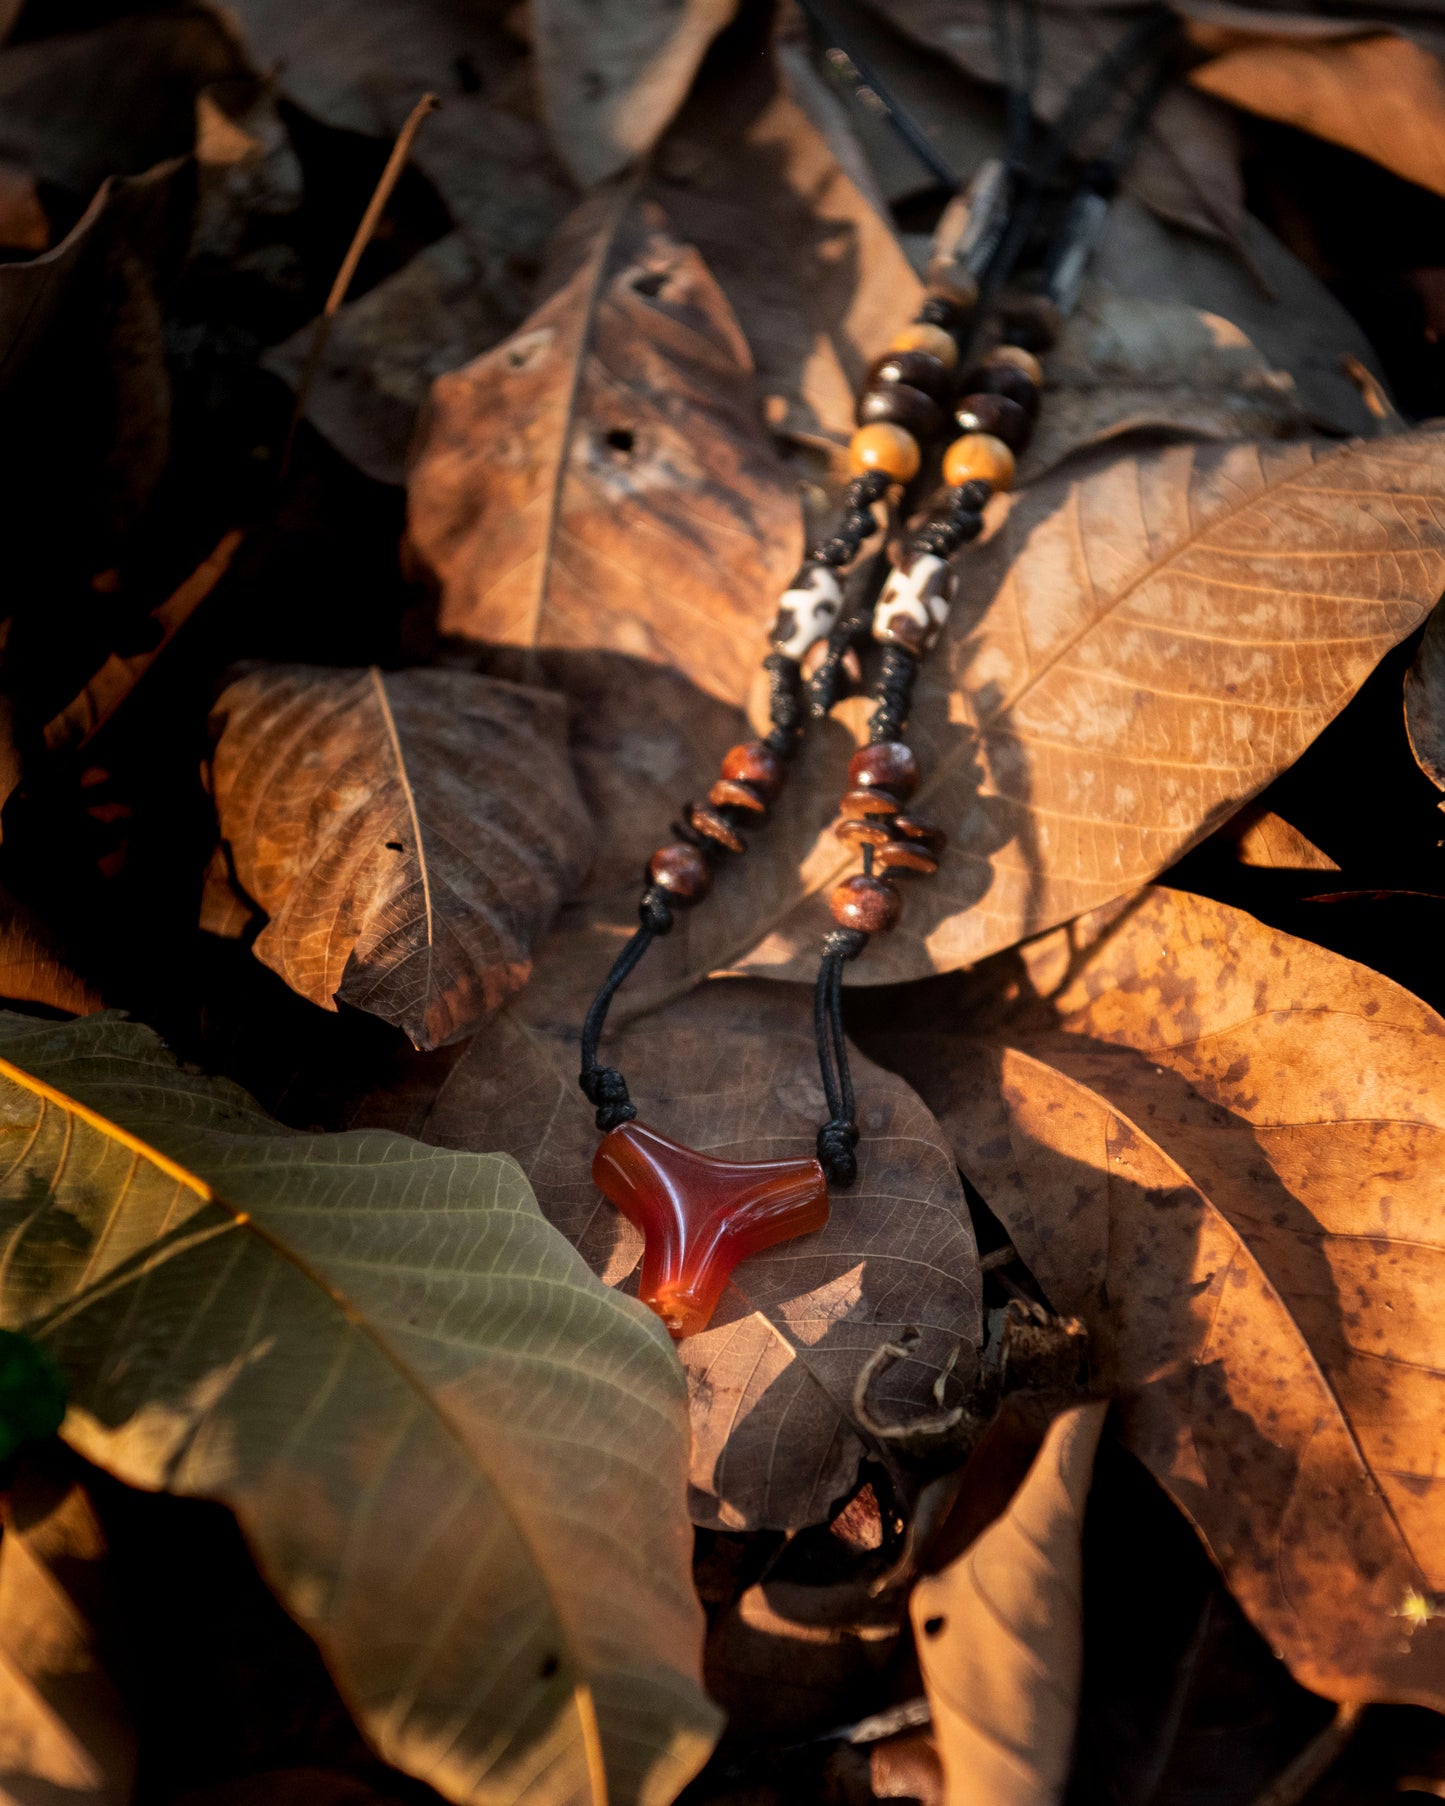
{"points": [[700, 1216]]}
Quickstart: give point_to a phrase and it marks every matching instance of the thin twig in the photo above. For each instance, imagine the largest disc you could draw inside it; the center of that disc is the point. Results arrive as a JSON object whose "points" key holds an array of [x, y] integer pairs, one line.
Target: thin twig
{"points": [[375, 207]]}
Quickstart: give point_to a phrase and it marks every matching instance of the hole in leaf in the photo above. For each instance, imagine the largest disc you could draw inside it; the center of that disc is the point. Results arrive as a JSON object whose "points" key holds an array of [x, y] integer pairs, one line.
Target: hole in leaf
{"points": [[621, 439], [932, 1626], [548, 1668], [395, 846], [650, 282]]}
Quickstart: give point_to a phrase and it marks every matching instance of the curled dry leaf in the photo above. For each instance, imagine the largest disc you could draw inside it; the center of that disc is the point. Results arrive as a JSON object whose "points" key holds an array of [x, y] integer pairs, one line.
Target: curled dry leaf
{"points": [[613, 74], [409, 834], [401, 1381], [33, 966], [1263, 839], [1220, 1147], [1425, 701], [1138, 646], [732, 1070], [1377, 94], [1001, 1636], [65, 1733]]}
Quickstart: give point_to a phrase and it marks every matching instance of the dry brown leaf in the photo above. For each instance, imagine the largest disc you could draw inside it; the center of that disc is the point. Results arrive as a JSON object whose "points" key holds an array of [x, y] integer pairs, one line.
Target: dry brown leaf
{"points": [[1138, 647], [1001, 1637], [1220, 1147], [1380, 95], [33, 967], [1262, 838], [733, 1070], [1425, 701], [1187, 166], [613, 73], [409, 835], [64, 1730]]}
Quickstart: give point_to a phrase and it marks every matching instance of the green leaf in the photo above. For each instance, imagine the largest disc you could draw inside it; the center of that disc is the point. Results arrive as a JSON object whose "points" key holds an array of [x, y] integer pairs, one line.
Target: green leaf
{"points": [[458, 1457]]}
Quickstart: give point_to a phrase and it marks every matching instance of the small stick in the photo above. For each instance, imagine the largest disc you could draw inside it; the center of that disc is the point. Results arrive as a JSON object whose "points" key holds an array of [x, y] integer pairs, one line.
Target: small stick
{"points": [[375, 207]]}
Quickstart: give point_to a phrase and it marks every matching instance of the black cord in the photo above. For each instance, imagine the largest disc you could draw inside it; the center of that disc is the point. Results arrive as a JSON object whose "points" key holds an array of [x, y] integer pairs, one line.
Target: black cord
{"points": [[604, 1086], [839, 1135]]}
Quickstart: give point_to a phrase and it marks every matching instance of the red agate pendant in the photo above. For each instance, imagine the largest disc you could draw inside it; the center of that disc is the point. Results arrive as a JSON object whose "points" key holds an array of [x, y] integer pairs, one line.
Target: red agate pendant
{"points": [[699, 1217]]}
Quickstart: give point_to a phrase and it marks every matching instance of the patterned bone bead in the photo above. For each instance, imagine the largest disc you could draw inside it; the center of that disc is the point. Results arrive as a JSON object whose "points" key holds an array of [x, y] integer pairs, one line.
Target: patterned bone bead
{"points": [[872, 904], [870, 832], [889, 765], [682, 872], [755, 764], [716, 827], [870, 802], [905, 856], [887, 448], [914, 604], [728, 793], [807, 611]]}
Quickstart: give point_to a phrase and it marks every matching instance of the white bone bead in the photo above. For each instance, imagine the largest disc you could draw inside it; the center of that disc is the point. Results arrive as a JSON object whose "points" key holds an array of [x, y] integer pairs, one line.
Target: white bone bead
{"points": [[914, 603], [807, 612]]}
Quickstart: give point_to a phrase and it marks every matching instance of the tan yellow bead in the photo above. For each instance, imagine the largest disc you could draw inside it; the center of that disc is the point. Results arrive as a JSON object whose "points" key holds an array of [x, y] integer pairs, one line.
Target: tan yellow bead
{"points": [[886, 447], [978, 456], [1019, 359], [921, 336]]}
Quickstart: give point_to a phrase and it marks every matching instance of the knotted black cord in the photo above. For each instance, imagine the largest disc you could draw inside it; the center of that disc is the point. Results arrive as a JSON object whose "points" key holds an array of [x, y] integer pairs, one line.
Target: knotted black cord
{"points": [[604, 1086], [839, 1135]]}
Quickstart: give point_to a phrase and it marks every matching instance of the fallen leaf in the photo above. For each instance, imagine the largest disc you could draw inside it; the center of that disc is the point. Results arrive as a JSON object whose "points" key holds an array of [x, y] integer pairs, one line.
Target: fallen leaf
{"points": [[34, 967], [1425, 701], [401, 1381], [732, 1070], [1218, 1146], [1139, 646], [1379, 95], [1000, 1633], [613, 74], [1266, 840], [24, 223], [409, 835], [64, 1730]]}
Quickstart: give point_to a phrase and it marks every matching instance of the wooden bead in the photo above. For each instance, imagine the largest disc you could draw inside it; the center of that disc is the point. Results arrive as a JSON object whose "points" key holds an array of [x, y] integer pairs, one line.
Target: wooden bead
{"points": [[868, 832], [870, 802], [905, 856], [918, 369], [729, 793], [902, 406], [910, 827], [888, 766], [715, 827], [1020, 359], [978, 457], [682, 872], [757, 764], [887, 448], [996, 414], [920, 336], [872, 904], [1004, 379]]}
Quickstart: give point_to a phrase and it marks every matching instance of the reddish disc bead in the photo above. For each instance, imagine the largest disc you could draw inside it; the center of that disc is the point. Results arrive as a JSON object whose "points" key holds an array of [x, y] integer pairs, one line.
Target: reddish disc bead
{"points": [[729, 793], [996, 414], [888, 766], [872, 904], [869, 831], [715, 826], [755, 764], [870, 802], [905, 856], [682, 872]]}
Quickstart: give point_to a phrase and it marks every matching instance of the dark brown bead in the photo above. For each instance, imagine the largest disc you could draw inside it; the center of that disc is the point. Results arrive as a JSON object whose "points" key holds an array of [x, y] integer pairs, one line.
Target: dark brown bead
{"points": [[909, 827], [728, 793], [905, 407], [1003, 379], [996, 414], [905, 856], [872, 904], [755, 764], [917, 370], [682, 872], [870, 802], [869, 832], [715, 827], [888, 766]]}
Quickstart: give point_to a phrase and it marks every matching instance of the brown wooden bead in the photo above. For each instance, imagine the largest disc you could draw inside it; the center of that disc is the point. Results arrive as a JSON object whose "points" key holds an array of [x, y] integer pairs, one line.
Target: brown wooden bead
{"points": [[755, 764], [872, 904], [870, 802], [902, 406], [996, 414], [1004, 379], [921, 336], [728, 793], [1020, 359], [918, 369], [716, 827], [885, 448], [888, 766], [910, 827], [871, 831], [905, 856], [682, 872], [978, 458]]}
